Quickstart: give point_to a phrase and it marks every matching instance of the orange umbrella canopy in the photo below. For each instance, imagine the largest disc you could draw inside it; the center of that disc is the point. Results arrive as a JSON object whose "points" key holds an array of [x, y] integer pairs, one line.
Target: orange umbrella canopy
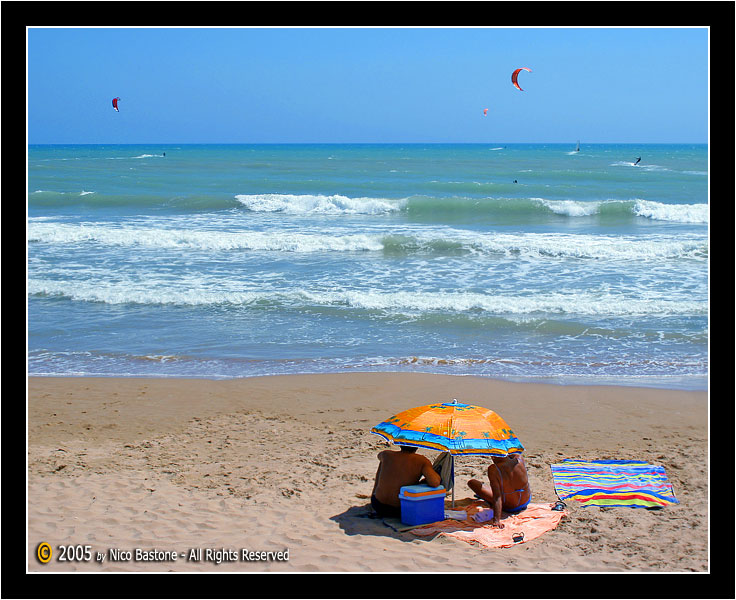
{"points": [[454, 427]]}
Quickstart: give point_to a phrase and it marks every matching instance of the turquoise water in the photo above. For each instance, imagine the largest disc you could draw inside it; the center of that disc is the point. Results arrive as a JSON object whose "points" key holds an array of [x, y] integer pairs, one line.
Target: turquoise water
{"points": [[526, 262]]}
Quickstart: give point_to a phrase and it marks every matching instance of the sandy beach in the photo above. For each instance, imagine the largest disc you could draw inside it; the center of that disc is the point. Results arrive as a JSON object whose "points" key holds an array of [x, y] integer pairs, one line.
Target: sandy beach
{"points": [[285, 464]]}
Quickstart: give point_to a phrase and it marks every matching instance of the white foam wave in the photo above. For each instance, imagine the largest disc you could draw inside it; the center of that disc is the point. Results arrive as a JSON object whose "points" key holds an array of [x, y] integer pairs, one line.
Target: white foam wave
{"points": [[678, 213], [409, 303], [308, 203], [620, 248], [500, 304], [61, 233], [526, 245], [570, 208], [130, 157]]}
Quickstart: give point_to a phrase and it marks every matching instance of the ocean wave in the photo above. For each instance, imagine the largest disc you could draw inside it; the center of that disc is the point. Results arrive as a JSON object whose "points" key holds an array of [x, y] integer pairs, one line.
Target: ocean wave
{"points": [[587, 303], [676, 213], [409, 304], [440, 241], [161, 238], [640, 363], [317, 203], [570, 208], [632, 371], [420, 207], [573, 246]]}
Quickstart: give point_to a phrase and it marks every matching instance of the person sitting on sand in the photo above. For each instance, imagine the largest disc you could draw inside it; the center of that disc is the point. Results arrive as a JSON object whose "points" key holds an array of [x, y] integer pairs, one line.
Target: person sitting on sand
{"points": [[395, 470], [509, 486]]}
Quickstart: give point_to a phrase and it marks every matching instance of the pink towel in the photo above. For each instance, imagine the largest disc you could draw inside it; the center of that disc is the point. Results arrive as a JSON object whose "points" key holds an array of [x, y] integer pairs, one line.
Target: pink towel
{"points": [[533, 521]]}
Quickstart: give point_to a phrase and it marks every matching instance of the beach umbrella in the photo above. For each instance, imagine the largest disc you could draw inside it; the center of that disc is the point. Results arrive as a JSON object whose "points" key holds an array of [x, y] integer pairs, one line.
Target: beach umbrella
{"points": [[454, 427]]}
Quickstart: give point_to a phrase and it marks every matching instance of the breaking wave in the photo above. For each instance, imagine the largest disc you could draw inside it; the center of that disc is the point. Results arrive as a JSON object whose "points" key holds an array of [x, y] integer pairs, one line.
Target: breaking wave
{"points": [[422, 205], [407, 303], [436, 241]]}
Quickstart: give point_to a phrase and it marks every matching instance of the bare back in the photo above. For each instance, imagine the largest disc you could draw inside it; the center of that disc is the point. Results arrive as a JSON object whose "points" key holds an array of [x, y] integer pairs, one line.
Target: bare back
{"points": [[397, 469], [511, 476]]}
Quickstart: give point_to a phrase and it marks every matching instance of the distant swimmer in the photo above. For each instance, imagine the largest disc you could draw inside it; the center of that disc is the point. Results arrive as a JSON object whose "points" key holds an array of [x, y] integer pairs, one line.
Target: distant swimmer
{"points": [[515, 181], [637, 161], [164, 153]]}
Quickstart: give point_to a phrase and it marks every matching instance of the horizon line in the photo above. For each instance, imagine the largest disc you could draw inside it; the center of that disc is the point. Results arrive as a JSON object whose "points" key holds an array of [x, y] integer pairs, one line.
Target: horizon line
{"points": [[705, 143]]}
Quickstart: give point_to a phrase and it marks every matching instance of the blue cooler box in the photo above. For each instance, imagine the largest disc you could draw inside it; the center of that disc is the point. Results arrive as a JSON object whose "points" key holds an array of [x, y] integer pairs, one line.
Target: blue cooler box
{"points": [[422, 504]]}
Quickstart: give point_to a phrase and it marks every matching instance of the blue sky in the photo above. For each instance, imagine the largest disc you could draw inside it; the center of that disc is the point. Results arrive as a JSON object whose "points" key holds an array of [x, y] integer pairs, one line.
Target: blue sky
{"points": [[351, 85]]}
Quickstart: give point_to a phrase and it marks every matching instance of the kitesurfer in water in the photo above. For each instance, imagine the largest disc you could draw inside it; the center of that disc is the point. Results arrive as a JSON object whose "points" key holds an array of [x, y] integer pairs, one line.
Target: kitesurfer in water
{"points": [[637, 161]]}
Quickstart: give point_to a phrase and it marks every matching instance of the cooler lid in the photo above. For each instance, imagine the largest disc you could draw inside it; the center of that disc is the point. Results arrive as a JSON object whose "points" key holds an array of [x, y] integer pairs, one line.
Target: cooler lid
{"points": [[420, 491]]}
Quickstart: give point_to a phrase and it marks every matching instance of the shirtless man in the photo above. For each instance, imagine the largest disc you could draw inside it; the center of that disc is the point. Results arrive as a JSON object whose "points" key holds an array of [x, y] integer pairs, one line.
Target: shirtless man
{"points": [[509, 486], [395, 470]]}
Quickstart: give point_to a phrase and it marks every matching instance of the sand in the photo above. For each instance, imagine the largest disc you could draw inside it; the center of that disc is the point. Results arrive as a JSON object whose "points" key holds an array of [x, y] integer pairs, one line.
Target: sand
{"points": [[286, 464]]}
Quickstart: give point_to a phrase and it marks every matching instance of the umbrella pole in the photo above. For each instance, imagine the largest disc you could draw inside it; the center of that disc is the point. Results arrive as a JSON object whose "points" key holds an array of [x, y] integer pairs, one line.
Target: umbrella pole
{"points": [[453, 481]]}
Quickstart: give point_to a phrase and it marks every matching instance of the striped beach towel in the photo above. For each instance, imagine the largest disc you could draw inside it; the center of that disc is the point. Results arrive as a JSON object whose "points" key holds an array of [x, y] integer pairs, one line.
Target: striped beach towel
{"points": [[630, 483]]}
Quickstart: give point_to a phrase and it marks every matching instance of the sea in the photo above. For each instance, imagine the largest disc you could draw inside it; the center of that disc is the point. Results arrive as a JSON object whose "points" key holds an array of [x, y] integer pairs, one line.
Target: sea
{"points": [[521, 262]]}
